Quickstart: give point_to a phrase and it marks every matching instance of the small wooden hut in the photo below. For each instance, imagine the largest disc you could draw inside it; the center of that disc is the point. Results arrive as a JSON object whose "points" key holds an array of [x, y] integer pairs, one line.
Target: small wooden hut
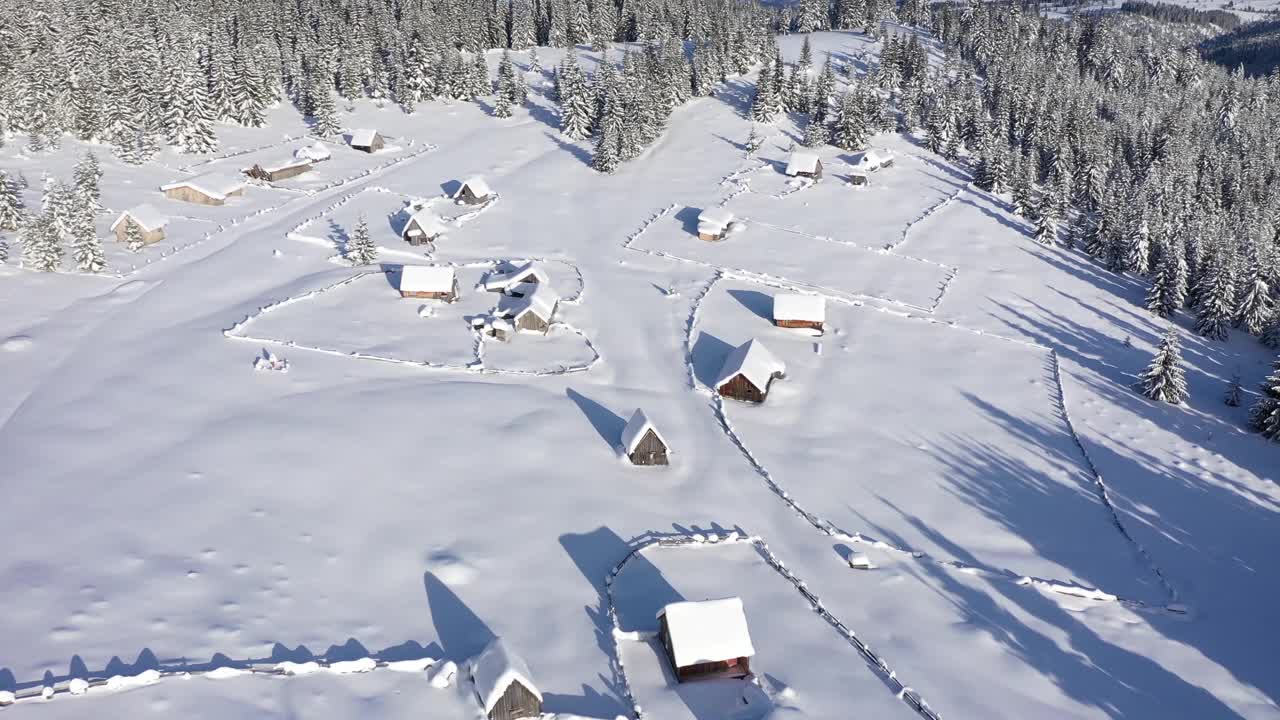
{"points": [[748, 372], [433, 282], [706, 639], [532, 312], [473, 191], [793, 310], [423, 227], [642, 442], [282, 170], [314, 153], [804, 164], [367, 139], [150, 223], [874, 159], [713, 223], [516, 282], [210, 189], [503, 684]]}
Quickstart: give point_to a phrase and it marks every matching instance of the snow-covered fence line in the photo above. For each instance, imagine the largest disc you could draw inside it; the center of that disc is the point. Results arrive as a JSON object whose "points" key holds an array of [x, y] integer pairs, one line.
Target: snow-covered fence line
{"points": [[376, 169], [87, 684], [735, 177], [700, 540], [221, 228], [692, 323], [296, 232], [644, 227], [929, 212], [236, 153], [1171, 592], [826, 527]]}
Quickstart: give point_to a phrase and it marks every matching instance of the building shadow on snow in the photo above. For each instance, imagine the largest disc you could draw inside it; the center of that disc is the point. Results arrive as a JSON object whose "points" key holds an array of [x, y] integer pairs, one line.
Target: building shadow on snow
{"points": [[607, 424], [760, 304], [461, 632], [708, 355]]}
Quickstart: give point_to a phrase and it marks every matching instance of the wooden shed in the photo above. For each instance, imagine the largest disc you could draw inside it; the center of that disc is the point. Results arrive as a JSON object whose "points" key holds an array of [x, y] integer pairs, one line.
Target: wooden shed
{"points": [[434, 282], [642, 442], [793, 310], [149, 221], [423, 227], [804, 164], [532, 312], [210, 189], [713, 223], [504, 685], [874, 159], [706, 639], [282, 170], [473, 191], [748, 372], [516, 282], [367, 139]]}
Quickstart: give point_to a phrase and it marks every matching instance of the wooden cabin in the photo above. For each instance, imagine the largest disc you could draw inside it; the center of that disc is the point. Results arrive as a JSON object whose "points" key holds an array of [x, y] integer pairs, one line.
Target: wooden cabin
{"points": [[516, 282], [804, 164], [210, 189], [473, 191], [503, 684], [273, 172], [433, 282], [532, 312], [313, 153], [149, 221], [713, 224], [423, 228], [368, 140], [874, 159], [793, 310], [706, 639], [748, 372], [642, 442]]}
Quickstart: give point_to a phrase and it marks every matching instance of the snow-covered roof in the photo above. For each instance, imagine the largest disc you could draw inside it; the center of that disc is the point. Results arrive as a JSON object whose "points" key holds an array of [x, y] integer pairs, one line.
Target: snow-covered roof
{"points": [[427, 221], [707, 631], [715, 217], [542, 302], [802, 161], [144, 216], [794, 306], [875, 158], [314, 151], [363, 137], [285, 164], [753, 361], [634, 432], [478, 186], [505, 280], [426, 278], [495, 669], [215, 185]]}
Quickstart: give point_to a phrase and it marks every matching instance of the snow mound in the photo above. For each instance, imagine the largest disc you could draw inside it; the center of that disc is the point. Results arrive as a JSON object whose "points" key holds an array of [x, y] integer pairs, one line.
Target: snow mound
{"points": [[441, 676], [125, 682], [78, 686], [411, 666], [450, 568], [225, 672], [292, 668], [348, 667], [17, 343]]}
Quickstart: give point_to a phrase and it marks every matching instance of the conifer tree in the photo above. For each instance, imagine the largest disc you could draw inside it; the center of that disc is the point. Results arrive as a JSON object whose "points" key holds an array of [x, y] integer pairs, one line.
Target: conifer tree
{"points": [[10, 204], [763, 104], [1234, 393], [41, 244], [4, 250], [1271, 336], [1169, 284], [1255, 307], [1165, 379], [324, 119], [1264, 416], [608, 148], [815, 134], [86, 247], [577, 109], [361, 249], [1216, 301], [133, 240], [1023, 188], [86, 175], [1046, 215]]}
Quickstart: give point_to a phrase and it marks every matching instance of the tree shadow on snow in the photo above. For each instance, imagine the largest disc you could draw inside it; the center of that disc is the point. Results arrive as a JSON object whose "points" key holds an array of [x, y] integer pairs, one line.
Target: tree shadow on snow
{"points": [[607, 424], [707, 356], [573, 149], [757, 302]]}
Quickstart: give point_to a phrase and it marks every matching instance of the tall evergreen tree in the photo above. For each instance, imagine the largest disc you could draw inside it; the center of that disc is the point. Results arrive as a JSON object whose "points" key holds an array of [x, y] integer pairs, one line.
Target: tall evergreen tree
{"points": [[1169, 284], [41, 244], [361, 249], [1165, 379], [11, 212], [86, 247], [1264, 416]]}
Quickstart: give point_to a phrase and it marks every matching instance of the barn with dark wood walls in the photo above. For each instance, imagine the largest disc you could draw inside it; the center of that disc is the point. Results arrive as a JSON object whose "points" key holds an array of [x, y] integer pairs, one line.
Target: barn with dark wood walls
{"points": [[368, 140], [150, 221], [795, 310], [432, 282], [805, 164], [473, 191], [706, 639], [748, 372], [504, 685], [642, 442]]}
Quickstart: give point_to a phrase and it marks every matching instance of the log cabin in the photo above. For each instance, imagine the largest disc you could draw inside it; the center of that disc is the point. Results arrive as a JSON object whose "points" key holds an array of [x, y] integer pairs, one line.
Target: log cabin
{"points": [[804, 164], [433, 282], [150, 223], [473, 191], [423, 227], [794, 310], [281, 170], [368, 140], [210, 189], [706, 639], [642, 442], [713, 224], [748, 372], [503, 684]]}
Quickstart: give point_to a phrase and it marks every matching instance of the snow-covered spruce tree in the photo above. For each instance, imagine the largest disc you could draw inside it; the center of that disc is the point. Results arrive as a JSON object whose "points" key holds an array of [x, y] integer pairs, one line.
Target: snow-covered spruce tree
{"points": [[849, 128], [823, 90], [1024, 188], [1234, 392], [133, 240], [1264, 416], [608, 146], [577, 107], [1165, 379], [763, 105], [324, 119], [1271, 336], [1046, 215], [41, 244], [506, 87], [815, 134], [1255, 307], [11, 212], [86, 177], [4, 250], [361, 249], [1216, 301], [1169, 284], [86, 247]]}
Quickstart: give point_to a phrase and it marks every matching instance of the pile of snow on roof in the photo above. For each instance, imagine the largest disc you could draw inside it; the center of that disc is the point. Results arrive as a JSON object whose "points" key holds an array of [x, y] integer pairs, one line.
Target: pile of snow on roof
{"points": [[874, 158], [426, 278], [478, 186], [714, 221], [145, 216], [314, 152], [707, 631], [541, 301], [795, 306], [753, 361], [215, 185], [634, 432], [500, 282], [495, 669], [427, 221], [802, 162]]}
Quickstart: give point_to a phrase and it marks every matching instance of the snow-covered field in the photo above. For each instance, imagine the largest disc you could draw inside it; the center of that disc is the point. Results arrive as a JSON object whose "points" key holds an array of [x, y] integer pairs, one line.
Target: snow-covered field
{"points": [[1047, 543]]}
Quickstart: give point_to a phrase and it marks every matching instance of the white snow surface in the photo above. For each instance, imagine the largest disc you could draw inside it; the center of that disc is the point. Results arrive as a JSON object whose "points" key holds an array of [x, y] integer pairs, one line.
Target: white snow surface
{"points": [[707, 631], [409, 489], [494, 671]]}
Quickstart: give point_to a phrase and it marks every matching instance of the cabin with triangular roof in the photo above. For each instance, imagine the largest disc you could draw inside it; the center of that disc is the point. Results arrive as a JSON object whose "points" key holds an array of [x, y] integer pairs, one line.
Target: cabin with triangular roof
{"points": [[149, 221], [504, 685], [209, 189], [473, 191], [532, 312], [748, 372], [423, 227], [516, 281], [433, 282], [279, 170], [706, 639], [804, 164], [874, 159], [367, 139], [642, 442]]}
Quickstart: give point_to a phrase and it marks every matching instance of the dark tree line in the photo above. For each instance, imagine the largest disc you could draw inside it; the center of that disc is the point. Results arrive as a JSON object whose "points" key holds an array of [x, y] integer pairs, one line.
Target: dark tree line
{"points": [[1179, 14]]}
